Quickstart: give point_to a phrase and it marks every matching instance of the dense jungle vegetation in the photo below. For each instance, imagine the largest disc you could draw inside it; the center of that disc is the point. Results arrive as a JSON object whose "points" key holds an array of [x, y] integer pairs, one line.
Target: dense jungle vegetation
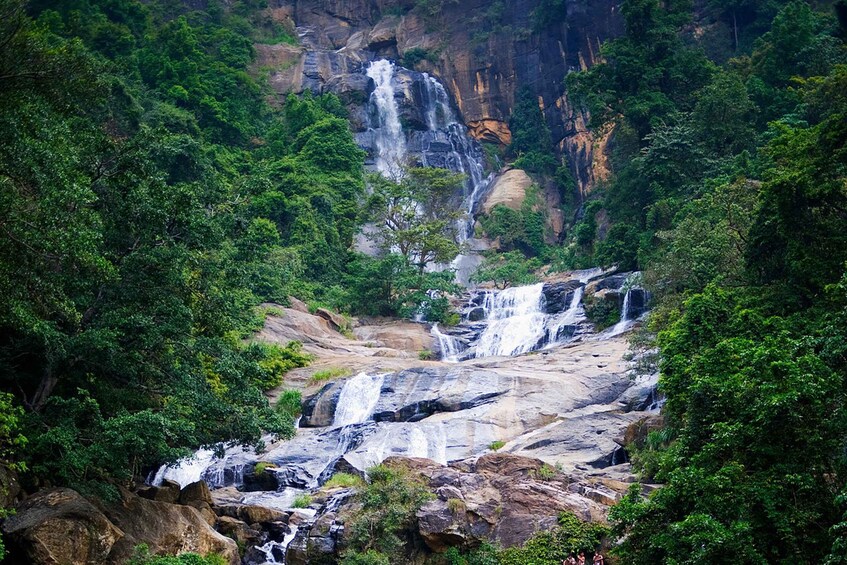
{"points": [[152, 199], [730, 193]]}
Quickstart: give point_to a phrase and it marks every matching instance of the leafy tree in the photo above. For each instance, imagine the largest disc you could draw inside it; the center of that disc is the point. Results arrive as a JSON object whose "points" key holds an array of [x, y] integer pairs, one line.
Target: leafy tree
{"points": [[507, 269], [532, 143], [413, 215]]}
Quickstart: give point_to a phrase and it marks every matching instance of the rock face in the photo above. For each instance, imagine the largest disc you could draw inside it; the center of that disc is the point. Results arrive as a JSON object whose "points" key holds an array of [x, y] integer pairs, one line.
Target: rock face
{"points": [[488, 59], [509, 190], [60, 527]]}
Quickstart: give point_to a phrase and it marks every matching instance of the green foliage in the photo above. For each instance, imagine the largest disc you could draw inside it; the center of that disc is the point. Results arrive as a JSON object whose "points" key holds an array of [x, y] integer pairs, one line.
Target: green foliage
{"points": [[552, 547], [601, 311], [416, 55], [344, 480], [152, 199], [141, 556], [507, 269], [290, 404], [302, 501], [532, 144], [456, 505], [262, 466], [274, 361], [391, 286], [426, 355], [414, 215], [389, 503], [729, 192], [329, 374], [496, 445], [519, 229], [370, 557], [485, 554]]}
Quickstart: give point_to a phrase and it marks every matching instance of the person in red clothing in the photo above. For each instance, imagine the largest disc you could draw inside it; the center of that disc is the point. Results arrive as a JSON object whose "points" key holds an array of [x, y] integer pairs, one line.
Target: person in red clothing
{"points": [[580, 560], [598, 559]]}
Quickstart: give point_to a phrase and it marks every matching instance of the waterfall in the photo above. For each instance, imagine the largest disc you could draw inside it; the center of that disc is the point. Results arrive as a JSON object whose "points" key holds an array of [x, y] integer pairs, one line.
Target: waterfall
{"points": [[357, 400], [515, 319], [388, 137], [625, 323], [186, 471], [448, 346]]}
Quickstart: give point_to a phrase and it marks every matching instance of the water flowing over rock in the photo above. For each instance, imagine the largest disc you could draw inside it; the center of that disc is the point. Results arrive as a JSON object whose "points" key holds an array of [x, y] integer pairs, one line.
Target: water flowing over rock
{"points": [[526, 374], [518, 320], [411, 121], [388, 137]]}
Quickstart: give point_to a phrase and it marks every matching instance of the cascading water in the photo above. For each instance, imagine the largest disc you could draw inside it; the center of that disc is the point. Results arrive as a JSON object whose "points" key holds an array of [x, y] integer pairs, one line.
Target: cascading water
{"points": [[388, 136], [448, 346], [187, 471], [626, 320], [357, 400], [515, 319]]}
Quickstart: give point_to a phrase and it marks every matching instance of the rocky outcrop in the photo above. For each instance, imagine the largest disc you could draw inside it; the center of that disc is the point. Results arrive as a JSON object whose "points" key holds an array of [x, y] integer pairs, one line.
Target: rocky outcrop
{"points": [[559, 295], [509, 190], [397, 334], [59, 526], [483, 58]]}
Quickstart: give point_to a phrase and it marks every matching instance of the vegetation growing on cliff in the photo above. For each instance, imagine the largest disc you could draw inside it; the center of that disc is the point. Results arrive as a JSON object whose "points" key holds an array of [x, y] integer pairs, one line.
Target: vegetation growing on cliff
{"points": [[729, 193]]}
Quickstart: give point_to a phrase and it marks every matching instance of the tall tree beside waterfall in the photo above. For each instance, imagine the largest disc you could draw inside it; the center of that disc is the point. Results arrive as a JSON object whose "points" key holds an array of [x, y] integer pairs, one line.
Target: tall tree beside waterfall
{"points": [[414, 215]]}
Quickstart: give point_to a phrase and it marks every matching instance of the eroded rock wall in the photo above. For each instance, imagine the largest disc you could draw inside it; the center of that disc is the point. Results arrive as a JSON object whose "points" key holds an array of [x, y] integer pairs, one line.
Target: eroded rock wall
{"points": [[483, 51]]}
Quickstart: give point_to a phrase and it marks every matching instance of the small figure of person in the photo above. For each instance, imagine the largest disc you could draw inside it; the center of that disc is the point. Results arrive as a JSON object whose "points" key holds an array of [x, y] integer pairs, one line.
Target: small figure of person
{"points": [[580, 560], [571, 560], [598, 559]]}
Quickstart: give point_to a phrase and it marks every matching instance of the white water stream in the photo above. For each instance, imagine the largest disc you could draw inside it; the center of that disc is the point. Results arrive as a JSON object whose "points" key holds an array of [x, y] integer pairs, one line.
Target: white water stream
{"points": [[388, 136]]}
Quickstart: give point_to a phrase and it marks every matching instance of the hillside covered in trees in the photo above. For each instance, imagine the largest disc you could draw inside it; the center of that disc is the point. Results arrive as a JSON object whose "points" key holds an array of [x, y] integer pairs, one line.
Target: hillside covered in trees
{"points": [[157, 197]]}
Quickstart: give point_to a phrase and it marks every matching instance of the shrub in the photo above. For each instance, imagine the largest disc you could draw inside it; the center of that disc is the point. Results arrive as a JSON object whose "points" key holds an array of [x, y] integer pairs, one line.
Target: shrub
{"points": [[290, 403], [389, 503], [274, 361], [302, 501], [545, 472], [141, 556], [262, 466], [427, 355], [496, 445], [369, 557], [456, 505], [344, 480], [329, 374]]}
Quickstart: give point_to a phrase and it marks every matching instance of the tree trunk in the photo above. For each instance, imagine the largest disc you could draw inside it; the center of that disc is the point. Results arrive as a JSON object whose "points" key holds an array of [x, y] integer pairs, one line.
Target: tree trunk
{"points": [[45, 389]]}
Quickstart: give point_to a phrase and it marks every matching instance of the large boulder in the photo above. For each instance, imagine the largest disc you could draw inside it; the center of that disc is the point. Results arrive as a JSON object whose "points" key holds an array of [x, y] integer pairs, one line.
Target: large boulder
{"points": [[404, 336], [195, 492], [558, 295], [59, 526], [167, 529], [509, 190], [498, 497]]}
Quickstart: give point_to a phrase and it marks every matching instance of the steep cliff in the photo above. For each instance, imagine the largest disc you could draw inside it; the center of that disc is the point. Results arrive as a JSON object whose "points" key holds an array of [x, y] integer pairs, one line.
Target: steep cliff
{"points": [[483, 51]]}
